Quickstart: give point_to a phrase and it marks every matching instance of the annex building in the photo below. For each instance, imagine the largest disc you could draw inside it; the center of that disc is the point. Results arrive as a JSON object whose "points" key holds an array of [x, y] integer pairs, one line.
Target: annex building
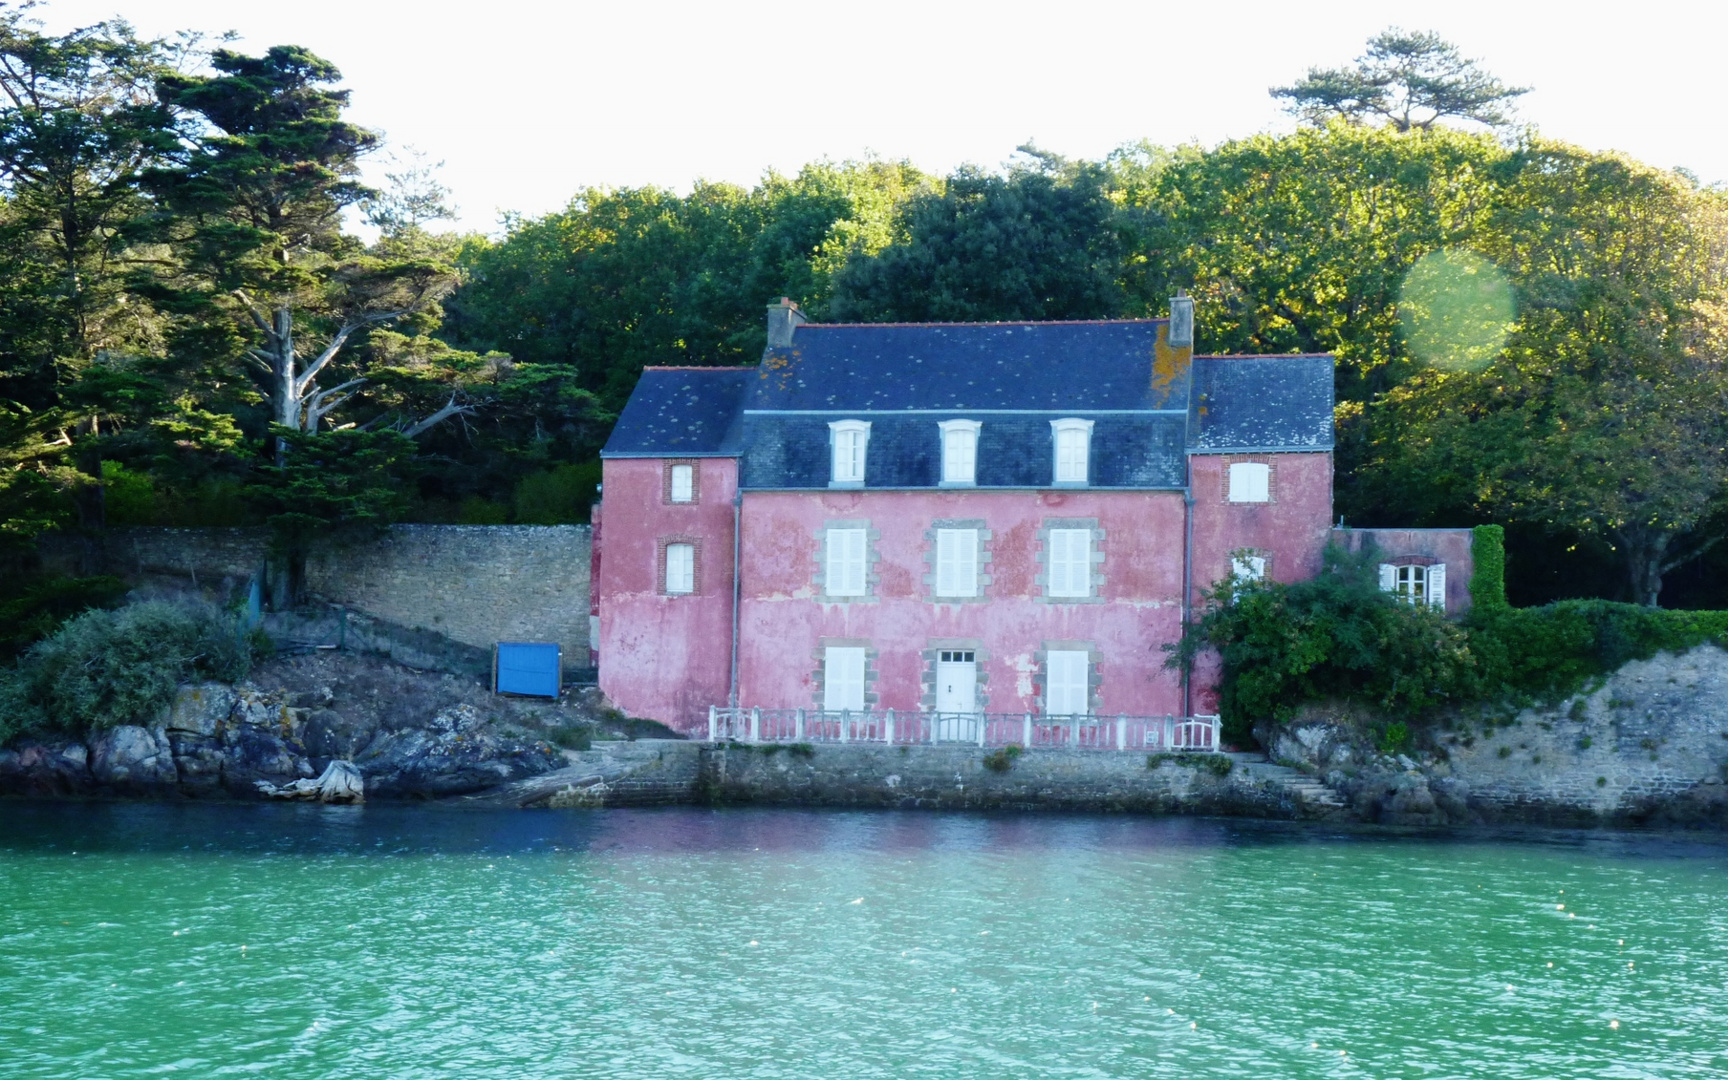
{"points": [[949, 519]]}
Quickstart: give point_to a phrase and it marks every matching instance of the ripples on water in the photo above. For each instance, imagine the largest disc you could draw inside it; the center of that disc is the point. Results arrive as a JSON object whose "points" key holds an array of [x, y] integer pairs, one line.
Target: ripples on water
{"points": [[391, 942]]}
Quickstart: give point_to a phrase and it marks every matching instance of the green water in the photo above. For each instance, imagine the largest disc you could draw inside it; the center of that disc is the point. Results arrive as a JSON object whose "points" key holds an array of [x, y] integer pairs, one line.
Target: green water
{"points": [[145, 940]]}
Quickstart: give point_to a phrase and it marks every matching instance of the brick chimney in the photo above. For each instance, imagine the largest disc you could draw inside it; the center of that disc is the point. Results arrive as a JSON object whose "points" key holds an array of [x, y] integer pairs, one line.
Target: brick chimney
{"points": [[783, 318], [1181, 334]]}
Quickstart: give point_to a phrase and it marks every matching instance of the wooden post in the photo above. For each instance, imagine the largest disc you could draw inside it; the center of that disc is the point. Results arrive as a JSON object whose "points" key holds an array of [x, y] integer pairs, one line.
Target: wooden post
{"points": [[888, 729], [712, 722], [755, 725]]}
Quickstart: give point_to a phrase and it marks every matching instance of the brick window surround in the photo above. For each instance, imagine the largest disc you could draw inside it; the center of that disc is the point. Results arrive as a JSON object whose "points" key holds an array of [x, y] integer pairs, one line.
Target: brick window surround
{"points": [[660, 545], [695, 482], [1247, 459]]}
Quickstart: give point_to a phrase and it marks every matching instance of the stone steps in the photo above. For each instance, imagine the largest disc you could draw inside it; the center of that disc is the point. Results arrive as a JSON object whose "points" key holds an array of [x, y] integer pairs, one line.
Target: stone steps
{"points": [[1305, 789]]}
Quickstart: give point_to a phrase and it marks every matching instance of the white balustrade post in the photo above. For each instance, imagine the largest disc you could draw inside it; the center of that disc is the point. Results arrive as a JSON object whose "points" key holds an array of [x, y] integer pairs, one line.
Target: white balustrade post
{"points": [[798, 725], [845, 722], [1121, 732], [888, 729], [1169, 731], [983, 722], [1026, 731], [711, 722], [755, 725]]}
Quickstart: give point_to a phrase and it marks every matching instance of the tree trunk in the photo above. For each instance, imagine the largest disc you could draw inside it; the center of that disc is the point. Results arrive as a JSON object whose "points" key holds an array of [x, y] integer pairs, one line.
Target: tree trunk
{"points": [[1644, 552]]}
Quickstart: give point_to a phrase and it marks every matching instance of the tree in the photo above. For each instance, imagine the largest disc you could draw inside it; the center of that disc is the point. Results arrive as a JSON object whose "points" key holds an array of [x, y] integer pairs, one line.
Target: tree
{"points": [[1409, 80], [259, 194], [1607, 415], [78, 125], [1040, 242]]}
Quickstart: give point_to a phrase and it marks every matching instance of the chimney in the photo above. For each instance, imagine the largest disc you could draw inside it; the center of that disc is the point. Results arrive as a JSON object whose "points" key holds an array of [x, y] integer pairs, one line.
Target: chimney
{"points": [[1181, 334], [783, 318]]}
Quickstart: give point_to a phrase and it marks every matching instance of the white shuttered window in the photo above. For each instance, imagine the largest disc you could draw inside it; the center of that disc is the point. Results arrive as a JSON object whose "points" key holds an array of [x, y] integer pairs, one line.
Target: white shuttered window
{"points": [[1250, 482], [843, 678], [1073, 437], [957, 562], [1248, 567], [959, 451], [1070, 565], [847, 559], [851, 442], [680, 569], [1416, 584], [1068, 691], [683, 483]]}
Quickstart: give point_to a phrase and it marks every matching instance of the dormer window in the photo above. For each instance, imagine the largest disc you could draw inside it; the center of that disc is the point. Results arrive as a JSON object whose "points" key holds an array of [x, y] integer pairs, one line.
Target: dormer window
{"points": [[1073, 451], [851, 440], [959, 452]]}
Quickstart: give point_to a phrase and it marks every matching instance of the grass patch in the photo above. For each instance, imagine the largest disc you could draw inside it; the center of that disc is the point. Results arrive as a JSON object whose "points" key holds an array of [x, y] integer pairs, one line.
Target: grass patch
{"points": [[1003, 760], [1216, 764]]}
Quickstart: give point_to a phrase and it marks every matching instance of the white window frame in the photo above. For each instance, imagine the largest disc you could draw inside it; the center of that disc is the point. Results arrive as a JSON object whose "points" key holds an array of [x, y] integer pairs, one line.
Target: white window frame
{"points": [[1248, 567], [1415, 583], [1250, 482], [849, 450], [956, 563], [680, 568], [959, 452], [683, 484], [846, 562], [843, 677], [1067, 683], [1076, 474], [1067, 574]]}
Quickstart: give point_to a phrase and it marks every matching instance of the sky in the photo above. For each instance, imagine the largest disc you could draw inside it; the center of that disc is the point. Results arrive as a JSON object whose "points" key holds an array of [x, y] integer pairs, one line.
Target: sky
{"points": [[525, 103]]}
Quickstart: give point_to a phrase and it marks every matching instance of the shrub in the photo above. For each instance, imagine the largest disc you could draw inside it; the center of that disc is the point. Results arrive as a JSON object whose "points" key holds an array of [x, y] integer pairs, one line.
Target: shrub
{"points": [[1339, 637], [39, 607], [104, 668], [1394, 737], [1002, 760]]}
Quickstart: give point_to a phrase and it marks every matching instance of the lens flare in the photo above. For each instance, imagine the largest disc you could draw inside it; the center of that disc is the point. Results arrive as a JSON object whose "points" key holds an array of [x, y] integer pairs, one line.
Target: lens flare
{"points": [[1455, 310]]}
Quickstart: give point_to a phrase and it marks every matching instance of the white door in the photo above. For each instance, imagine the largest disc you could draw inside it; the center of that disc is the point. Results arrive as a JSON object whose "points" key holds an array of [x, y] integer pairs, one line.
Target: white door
{"points": [[956, 695]]}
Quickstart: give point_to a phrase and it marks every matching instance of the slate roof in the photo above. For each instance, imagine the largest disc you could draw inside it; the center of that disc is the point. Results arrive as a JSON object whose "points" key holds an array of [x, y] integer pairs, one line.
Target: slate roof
{"points": [[1065, 366], [1261, 403], [681, 412], [1148, 412]]}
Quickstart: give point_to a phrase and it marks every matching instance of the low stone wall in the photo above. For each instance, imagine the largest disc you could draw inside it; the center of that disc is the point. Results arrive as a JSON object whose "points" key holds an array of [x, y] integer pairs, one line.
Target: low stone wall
{"points": [[475, 584], [1648, 745]]}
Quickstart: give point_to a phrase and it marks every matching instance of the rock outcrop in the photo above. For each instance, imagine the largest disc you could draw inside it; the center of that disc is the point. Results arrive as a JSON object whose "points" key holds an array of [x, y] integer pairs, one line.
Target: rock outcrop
{"points": [[1646, 745]]}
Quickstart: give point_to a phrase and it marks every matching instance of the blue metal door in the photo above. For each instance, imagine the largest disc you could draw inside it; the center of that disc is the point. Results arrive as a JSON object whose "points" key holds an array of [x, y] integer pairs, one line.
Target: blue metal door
{"points": [[527, 667]]}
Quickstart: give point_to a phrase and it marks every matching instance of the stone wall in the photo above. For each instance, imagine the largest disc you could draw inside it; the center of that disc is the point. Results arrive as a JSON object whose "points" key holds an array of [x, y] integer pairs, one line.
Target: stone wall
{"points": [[1649, 744], [475, 584]]}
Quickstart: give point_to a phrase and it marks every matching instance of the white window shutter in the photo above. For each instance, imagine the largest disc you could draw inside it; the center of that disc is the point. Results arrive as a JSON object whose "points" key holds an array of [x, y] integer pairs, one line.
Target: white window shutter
{"points": [[957, 562], [683, 483], [1070, 569], [1437, 586], [843, 679], [1068, 689], [848, 551], [1388, 578], [1250, 482], [1248, 567]]}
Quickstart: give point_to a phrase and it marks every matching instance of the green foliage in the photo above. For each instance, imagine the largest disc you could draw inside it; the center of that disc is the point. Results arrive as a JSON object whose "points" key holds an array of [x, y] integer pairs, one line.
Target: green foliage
{"points": [[1488, 579], [1408, 80], [1038, 243], [557, 496], [1338, 637], [104, 668], [1393, 738], [1335, 636], [1000, 761], [39, 605]]}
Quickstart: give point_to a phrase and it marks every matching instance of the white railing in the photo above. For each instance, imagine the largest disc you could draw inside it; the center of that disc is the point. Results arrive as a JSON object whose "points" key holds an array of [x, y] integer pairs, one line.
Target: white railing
{"points": [[1029, 730]]}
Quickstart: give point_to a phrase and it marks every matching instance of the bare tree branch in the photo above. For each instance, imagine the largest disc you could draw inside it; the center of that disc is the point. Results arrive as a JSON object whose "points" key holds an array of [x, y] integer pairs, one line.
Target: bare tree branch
{"points": [[449, 410]]}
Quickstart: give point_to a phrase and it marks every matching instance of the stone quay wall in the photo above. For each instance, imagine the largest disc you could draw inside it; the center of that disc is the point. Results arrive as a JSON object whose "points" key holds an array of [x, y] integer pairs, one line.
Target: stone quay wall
{"points": [[474, 584]]}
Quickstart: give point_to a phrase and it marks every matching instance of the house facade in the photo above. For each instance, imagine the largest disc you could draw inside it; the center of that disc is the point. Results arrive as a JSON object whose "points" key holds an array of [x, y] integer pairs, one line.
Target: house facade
{"points": [[958, 518]]}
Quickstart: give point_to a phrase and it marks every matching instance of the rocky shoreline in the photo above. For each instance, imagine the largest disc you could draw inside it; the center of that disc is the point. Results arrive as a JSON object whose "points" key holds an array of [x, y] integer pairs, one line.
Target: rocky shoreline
{"points": [[1646, 746]]}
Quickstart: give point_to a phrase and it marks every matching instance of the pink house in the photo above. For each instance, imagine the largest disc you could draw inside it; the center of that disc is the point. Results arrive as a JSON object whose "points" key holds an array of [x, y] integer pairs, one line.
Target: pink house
{"points": [[952, 519]]}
